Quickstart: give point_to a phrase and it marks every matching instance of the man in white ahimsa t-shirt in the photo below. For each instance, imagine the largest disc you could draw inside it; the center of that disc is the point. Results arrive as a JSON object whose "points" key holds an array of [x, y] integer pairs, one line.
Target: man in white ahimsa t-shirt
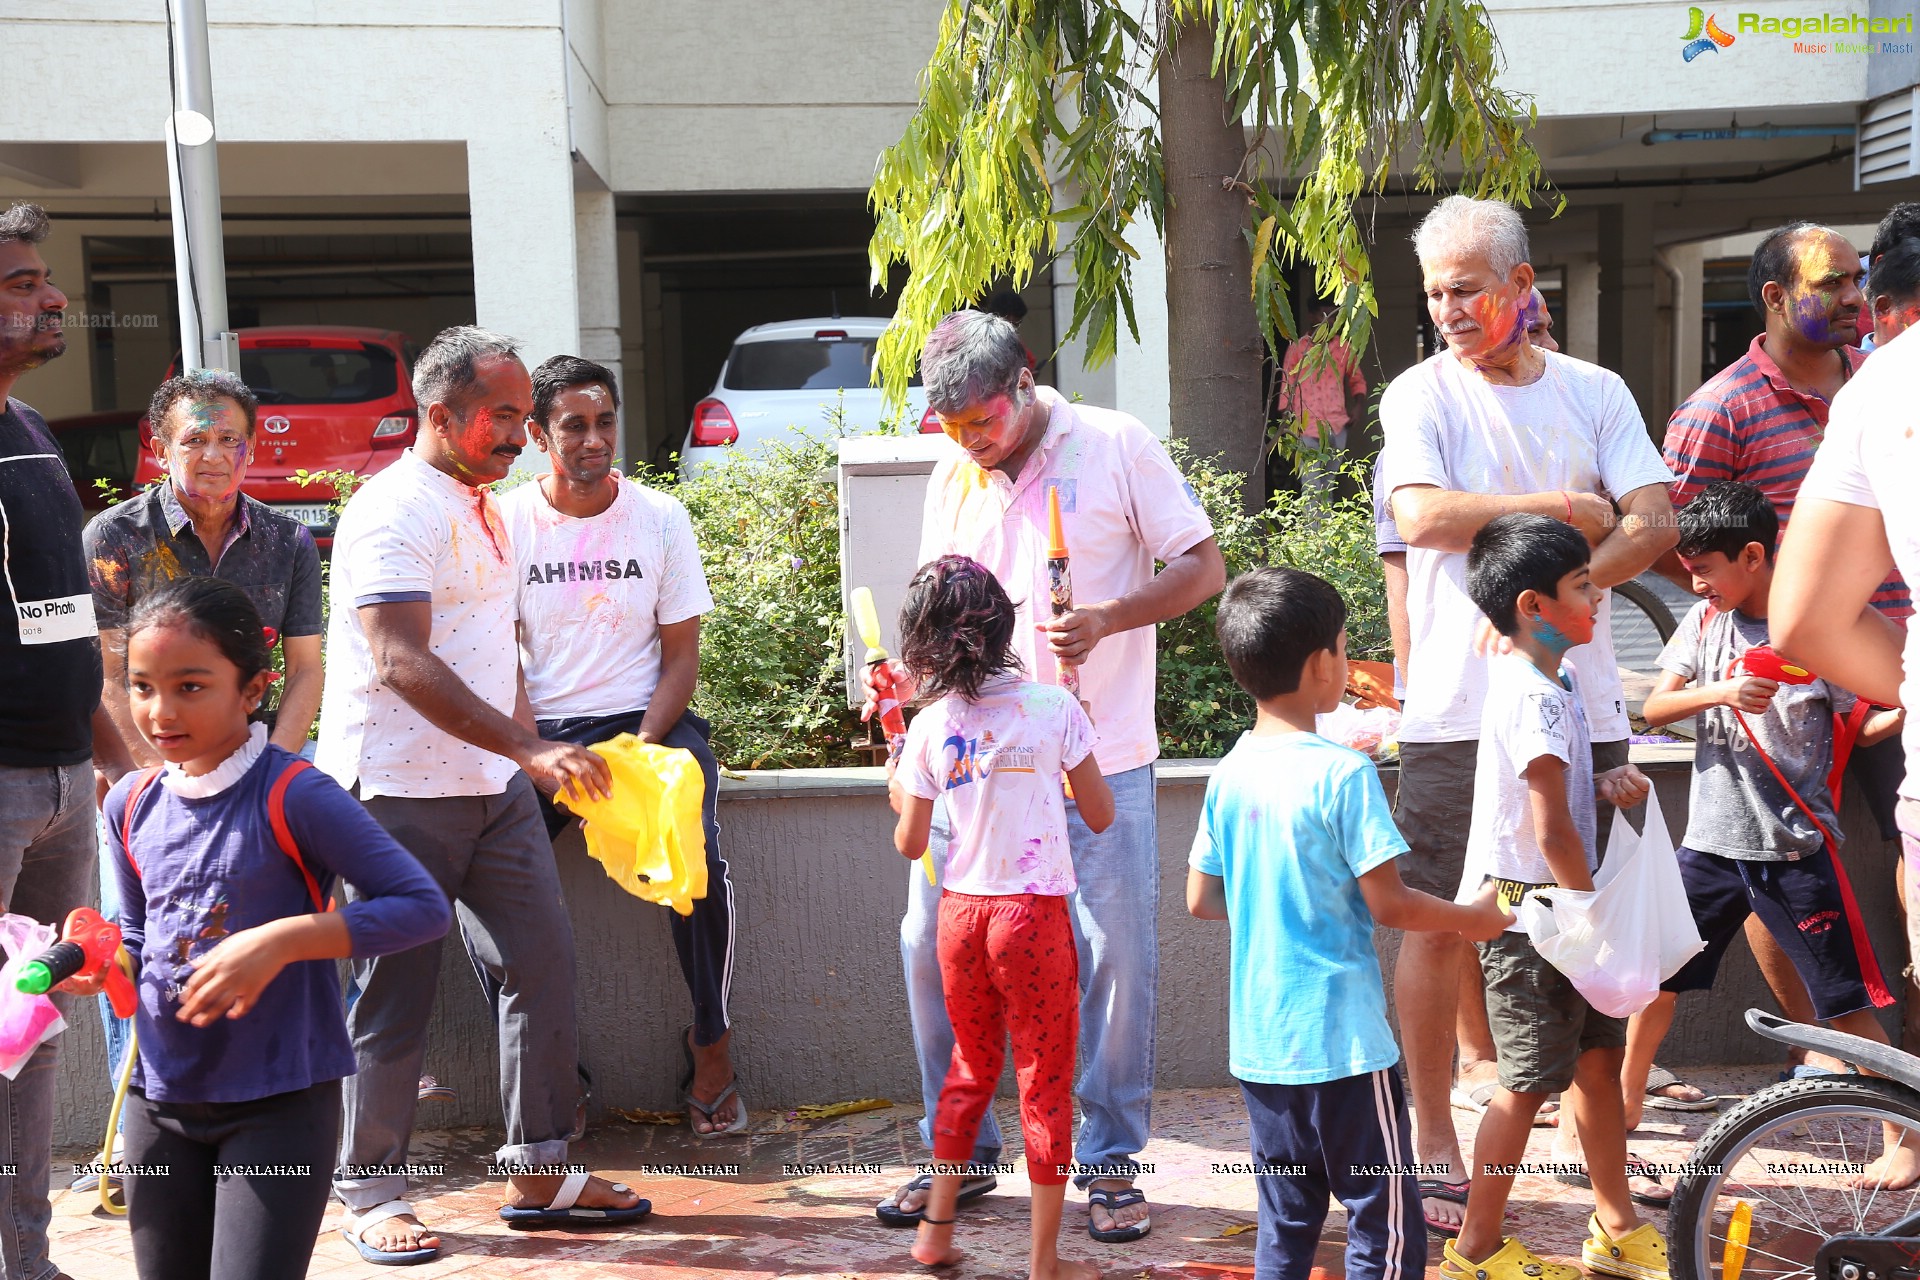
{"points": [[1857, 518], [611, 592], [1491, 425], [423, 716]]}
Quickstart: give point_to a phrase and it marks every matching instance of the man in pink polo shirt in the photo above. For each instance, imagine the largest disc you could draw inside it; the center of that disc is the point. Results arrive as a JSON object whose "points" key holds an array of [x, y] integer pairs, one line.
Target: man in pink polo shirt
{"points": [[1123, 506]]}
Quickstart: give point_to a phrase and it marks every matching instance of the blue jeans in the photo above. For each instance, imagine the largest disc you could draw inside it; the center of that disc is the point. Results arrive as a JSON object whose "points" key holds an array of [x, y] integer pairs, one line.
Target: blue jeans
{"points": [[46, 858], [1115, 914], [118, 1030]]}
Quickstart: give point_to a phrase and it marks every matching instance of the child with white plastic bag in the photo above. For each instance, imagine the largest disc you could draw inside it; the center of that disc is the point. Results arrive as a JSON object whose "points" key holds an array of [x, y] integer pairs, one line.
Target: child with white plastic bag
{"points": [[1533, 828]]}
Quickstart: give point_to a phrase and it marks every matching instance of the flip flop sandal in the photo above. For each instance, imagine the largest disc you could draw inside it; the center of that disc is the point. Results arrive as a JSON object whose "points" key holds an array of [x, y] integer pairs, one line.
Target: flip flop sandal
{"points": [[1474, 1099], [356, 1226], [1661, 1078], [1636, 1168], [1111, 1201], [890, 1212], [1452, 1193], [431, 1090], [694, 1105], [567, 1211]]}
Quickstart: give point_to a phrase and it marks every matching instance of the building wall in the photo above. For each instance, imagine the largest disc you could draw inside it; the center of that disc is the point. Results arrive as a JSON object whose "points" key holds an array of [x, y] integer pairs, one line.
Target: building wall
{"points": [[734, 95]]}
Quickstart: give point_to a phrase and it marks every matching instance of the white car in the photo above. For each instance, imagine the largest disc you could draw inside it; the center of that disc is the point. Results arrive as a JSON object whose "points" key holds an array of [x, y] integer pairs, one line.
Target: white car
{"points": [[789, 377]]}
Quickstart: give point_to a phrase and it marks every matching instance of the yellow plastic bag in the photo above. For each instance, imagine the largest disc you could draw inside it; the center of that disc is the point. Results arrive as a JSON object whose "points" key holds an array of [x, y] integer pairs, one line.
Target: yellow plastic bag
{"points": [[648, 834]]}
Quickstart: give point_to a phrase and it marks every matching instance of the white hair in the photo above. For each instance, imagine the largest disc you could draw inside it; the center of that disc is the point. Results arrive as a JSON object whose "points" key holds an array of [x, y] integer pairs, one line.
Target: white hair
{"points": [[1487, 229]]}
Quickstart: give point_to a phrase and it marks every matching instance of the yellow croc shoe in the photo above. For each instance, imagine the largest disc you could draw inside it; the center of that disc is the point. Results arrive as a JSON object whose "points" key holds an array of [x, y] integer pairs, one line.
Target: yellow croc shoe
{"points": [[1513, 1261], [1641, 1254]]}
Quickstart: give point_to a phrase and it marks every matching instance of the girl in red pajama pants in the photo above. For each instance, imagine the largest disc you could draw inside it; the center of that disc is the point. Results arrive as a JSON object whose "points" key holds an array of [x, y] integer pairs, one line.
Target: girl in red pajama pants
{"points": [[993, 746]]}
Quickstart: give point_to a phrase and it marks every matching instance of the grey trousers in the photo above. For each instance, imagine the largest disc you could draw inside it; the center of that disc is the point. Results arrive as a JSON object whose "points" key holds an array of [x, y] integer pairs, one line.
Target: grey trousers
{"points": [[490, 854], [46, 870]]}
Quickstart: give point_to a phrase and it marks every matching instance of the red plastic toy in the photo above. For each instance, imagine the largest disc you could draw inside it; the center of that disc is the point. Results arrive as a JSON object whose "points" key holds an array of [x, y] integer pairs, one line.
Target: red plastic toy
{"points": [[89, 945]]}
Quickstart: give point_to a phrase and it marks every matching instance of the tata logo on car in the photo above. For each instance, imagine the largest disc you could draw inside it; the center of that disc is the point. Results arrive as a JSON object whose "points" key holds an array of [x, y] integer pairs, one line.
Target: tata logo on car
{"points": [[278, 425]]}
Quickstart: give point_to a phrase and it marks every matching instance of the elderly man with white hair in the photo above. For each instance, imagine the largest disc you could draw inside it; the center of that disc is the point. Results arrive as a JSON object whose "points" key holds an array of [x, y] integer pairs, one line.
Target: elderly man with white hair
{"points": [[1491, 425]]}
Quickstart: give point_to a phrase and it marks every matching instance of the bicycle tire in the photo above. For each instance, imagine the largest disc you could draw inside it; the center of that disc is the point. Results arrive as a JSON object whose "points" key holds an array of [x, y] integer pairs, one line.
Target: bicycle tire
{"points": [[1779, 1109], [1644, 599]]}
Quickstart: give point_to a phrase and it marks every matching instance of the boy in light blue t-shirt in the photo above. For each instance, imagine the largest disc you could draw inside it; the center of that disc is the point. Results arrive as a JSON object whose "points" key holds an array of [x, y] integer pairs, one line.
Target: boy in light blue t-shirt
{"points": [[1296, 851]]}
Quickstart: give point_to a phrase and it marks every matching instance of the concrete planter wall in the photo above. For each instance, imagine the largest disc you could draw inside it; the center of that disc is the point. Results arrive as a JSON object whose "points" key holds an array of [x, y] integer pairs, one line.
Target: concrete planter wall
{"points": [[818, 1009]]}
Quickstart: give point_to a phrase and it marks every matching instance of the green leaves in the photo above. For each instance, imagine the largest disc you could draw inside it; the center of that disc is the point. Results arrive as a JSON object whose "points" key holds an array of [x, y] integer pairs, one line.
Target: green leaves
{"points": [[1037, 124]]}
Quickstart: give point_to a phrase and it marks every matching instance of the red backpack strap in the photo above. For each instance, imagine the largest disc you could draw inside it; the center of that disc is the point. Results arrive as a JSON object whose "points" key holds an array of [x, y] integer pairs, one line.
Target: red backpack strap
{"points": [[141, 781], [283, 834], [1846, 730]]}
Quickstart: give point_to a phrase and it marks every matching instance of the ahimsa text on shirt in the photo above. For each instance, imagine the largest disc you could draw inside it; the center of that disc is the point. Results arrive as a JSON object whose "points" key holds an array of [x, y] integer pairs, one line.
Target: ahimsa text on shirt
{"points": [[582, 571]]}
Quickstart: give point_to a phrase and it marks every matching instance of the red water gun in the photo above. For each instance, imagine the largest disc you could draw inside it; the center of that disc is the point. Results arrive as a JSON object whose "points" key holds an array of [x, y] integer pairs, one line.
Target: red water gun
{"points": [[90, 945], [1763, 662]]}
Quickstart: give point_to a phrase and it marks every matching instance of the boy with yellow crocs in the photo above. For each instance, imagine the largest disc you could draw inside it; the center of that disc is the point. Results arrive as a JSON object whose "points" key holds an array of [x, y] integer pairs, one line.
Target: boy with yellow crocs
{"points": [[1532, 828]]}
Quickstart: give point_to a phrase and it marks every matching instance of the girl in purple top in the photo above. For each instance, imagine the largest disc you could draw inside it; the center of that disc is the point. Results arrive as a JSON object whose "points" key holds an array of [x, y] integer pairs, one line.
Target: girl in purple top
{"points": [[233, 1118]]}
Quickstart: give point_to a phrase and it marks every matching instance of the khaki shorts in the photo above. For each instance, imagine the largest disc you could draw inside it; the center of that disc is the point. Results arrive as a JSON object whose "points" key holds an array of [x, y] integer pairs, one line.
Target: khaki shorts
{"points": [[1540, 1024], [1433, 808]]}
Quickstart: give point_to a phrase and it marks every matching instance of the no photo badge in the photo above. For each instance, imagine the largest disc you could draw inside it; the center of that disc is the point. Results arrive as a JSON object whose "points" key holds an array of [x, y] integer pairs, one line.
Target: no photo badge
{"points": [[57, 621]]}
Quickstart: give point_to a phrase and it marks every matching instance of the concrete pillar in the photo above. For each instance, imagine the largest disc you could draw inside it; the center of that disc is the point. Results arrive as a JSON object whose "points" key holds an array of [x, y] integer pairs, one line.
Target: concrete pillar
{"points": [[1581, 323], [1690, 261], [597, 258], [637, 424], [1141, 385], [1072, 376], [1628, 333], [1400, 304], [64, 387], [525, 269]]}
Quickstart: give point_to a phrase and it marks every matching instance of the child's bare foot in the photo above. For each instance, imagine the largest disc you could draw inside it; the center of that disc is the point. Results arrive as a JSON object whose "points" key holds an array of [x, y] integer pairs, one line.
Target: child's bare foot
{"points": [[933, 1245], [1894, 1171], [1065, 1269]]}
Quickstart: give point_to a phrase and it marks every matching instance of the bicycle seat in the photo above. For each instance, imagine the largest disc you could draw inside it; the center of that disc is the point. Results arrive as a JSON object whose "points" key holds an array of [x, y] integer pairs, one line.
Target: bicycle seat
{"points": [[1881, 1059]]}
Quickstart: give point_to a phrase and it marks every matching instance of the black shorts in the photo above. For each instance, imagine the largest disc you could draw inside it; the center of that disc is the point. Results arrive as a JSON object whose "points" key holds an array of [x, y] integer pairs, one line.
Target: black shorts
{"points": [[1802, 906]]}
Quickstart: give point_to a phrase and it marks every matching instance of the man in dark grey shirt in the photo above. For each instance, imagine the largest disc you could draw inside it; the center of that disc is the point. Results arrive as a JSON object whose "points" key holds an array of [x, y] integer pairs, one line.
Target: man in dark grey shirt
{"points": [[197, 522]]}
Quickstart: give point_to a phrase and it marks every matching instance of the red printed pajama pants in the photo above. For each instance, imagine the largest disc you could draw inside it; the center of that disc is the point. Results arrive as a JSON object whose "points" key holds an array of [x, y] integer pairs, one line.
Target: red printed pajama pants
{"points": [[1008, 965]]}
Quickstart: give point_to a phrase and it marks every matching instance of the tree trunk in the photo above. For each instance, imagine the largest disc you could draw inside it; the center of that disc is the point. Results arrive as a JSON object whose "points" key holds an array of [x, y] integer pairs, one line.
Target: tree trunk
{"points": [[1214, 348]]}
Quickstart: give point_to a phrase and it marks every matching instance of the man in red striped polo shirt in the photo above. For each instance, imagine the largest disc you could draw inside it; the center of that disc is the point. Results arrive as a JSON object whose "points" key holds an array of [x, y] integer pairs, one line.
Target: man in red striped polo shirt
{"points": [[1759, 421]]}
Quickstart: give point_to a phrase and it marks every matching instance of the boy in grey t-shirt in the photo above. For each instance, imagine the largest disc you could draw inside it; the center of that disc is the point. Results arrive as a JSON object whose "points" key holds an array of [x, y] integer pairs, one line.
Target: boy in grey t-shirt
{"points": [[1753, 845]]}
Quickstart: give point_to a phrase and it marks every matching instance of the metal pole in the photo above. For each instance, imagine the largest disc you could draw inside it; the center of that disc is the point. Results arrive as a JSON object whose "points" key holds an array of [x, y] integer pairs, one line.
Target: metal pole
{"points": [[193, 179]]}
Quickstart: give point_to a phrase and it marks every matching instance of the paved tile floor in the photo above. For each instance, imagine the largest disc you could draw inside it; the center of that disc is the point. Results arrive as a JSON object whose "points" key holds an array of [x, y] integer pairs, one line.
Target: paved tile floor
{"points": [[736, 1209]]}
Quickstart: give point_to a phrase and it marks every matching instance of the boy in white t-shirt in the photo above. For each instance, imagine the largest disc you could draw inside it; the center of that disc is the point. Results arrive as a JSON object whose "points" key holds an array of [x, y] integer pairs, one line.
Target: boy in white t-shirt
{"points": [[996, 746], [1532, 828]]}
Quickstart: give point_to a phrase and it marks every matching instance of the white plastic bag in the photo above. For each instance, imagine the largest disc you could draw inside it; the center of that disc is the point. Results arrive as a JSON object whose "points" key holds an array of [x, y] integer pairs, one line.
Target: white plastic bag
{"points": [[1618, 943], [26, 1022], [1364, 731]]}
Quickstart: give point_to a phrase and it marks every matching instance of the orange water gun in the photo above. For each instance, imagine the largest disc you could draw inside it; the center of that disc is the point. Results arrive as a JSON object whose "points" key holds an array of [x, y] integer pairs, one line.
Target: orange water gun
{"points": [[866, 620], [1060, 584]]}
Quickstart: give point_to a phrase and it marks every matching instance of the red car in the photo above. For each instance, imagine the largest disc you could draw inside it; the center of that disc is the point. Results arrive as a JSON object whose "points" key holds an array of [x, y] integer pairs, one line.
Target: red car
{"points": [[332, 398]]}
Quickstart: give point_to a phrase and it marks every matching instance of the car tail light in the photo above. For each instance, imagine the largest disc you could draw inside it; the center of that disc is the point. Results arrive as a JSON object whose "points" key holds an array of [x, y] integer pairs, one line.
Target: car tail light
{"points": [[394, 428], [830, 335], [930, 423], [712, 424]]}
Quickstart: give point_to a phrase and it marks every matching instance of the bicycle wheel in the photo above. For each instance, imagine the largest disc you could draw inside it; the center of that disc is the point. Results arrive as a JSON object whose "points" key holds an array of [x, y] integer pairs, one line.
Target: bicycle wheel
{"points": [[1649, 603], [1770, 1182]]}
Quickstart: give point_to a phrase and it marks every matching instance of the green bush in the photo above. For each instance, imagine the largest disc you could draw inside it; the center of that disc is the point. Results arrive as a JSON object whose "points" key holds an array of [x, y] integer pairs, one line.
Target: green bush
{"points": [[772, 679], [771, 653], [1199, 709]]}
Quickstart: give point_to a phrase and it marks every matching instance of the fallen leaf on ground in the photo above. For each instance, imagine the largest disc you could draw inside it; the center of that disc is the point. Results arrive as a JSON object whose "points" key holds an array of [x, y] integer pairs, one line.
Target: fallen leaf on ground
{"points": [[828, 1110], [1241, 1228], [648, 1117]]}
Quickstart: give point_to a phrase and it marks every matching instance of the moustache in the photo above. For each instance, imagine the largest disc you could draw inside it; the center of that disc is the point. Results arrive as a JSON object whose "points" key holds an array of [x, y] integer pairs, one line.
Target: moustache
{"points": [[508, 450]]}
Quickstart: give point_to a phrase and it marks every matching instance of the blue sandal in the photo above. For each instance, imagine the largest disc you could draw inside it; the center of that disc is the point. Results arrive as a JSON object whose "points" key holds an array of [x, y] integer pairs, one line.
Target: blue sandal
{"points": [[358, 1223]]}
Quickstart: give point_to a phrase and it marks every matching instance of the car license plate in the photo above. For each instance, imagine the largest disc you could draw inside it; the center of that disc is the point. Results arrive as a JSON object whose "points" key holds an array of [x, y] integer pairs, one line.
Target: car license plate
{"points": [[314, 515]]}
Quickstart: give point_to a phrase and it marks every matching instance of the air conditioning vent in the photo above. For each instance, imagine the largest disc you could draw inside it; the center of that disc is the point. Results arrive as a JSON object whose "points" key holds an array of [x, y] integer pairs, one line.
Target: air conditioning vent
{"points": [[1885, 151]]}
